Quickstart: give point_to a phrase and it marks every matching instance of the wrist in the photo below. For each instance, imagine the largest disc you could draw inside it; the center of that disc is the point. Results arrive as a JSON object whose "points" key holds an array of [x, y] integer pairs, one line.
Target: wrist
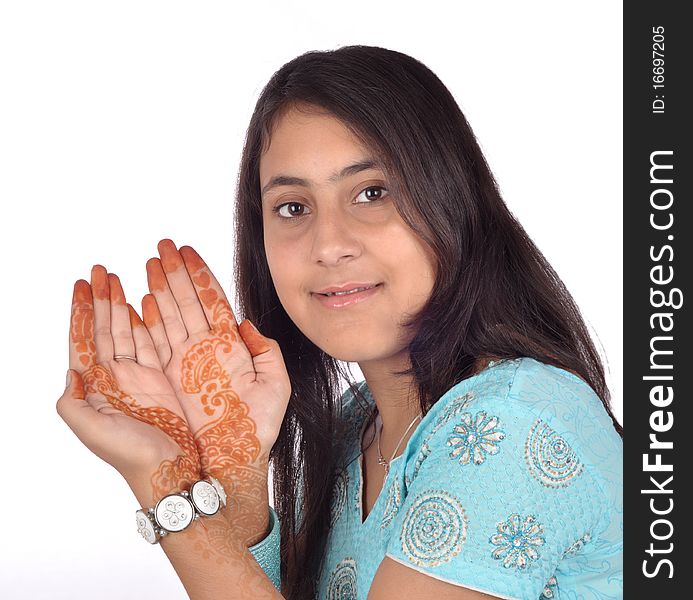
{"points": [[253, 538], [247, 488], [149, 490], [178, 510]]}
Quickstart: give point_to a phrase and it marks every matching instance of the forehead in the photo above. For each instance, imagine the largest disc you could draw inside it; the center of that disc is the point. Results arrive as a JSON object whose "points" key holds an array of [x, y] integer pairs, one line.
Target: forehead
{"points": [[309, 141]]}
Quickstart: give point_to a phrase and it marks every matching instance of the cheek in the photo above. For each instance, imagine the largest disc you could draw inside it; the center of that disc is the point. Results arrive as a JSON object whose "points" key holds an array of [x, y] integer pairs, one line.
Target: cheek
{"points": [[276, 263], [285, 272], [412, 267]]}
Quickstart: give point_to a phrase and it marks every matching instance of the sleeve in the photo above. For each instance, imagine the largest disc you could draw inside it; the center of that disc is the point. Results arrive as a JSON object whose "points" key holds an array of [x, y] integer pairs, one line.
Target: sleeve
{"points": [[493, 501], [266, 551]]}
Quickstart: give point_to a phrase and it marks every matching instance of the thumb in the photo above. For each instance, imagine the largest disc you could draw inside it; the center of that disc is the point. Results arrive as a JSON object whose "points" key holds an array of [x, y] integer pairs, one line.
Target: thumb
{"points": [[254, 340], [79, 415], [267, 357]]}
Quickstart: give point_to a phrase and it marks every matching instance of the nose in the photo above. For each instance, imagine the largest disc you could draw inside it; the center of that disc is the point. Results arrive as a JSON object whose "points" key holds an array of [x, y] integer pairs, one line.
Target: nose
{"points": [[335, 239]]}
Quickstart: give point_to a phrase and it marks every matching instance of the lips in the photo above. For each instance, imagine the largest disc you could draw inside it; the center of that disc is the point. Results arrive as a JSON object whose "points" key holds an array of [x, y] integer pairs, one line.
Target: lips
{"points": [[347, 287], [346, 300]]}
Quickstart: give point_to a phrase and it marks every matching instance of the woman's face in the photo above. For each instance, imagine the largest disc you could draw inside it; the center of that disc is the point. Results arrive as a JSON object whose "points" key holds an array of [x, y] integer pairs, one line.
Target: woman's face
{"points": [[332, 230]]}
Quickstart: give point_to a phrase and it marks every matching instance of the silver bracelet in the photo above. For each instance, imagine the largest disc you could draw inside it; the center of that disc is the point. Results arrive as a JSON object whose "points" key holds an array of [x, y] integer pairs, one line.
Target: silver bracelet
{"points": [[175, 512]]}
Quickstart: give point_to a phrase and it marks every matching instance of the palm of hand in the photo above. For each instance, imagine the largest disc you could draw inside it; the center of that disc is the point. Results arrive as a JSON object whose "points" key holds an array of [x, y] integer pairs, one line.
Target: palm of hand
{"points": [[215, 405], [211, 368], [146, 420], [136, 403]]}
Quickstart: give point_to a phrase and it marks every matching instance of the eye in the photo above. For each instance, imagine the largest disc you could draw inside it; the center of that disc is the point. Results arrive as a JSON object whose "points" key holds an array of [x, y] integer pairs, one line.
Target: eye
{"points": [[293, 214], [277, 209], [371, 188]]}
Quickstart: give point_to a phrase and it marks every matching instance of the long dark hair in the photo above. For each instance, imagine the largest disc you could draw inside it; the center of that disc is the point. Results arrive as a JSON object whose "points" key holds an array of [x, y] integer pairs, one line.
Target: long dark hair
{"points": [[495, 294]]}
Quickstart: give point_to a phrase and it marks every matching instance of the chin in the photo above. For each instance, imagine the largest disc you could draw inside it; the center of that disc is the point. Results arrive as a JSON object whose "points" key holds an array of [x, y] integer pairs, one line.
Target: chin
{"points": [[354, 356], [357, 352]]}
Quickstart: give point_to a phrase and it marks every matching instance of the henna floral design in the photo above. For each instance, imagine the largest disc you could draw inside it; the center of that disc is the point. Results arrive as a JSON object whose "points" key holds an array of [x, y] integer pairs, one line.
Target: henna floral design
{"points": [[98, 379], [224, 433], [171, 475], [228, 446]]}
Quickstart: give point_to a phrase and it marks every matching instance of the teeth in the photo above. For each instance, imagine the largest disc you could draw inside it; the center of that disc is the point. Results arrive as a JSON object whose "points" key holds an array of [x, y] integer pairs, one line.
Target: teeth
{"points": [[349, 292]]}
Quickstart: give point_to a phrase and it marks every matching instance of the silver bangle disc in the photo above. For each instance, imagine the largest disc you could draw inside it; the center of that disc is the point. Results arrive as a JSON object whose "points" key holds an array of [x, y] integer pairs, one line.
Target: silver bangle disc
{"points": [[145, 527], [216, 484], [205, 497], [174, 512]]}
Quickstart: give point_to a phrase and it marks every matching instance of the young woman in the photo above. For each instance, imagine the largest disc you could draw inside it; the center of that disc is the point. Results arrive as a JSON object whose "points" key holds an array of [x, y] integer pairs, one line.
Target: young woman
{"points": [[478, 457]]}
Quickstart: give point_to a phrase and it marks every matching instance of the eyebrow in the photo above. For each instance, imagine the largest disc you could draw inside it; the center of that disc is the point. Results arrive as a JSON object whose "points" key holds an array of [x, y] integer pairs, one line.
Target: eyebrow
{"points": [[348, 171]]}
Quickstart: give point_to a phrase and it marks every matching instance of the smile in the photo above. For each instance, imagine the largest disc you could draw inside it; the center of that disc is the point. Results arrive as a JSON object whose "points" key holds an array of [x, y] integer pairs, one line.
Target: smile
{"points": [[343, 300]]}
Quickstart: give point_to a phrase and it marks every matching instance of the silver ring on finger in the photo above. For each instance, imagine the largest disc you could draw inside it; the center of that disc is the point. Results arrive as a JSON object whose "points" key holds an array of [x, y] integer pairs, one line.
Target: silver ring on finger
{"points": [[126, 356]]}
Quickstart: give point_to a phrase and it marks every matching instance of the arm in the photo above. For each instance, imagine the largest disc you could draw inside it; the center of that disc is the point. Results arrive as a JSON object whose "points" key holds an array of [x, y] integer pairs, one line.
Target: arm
{"points": [[230, 380], [127, 414], [209, 558]]}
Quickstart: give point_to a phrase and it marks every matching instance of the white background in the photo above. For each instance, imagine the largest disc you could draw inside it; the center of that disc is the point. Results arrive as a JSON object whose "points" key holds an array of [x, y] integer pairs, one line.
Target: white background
{"points": [[122, 123]]}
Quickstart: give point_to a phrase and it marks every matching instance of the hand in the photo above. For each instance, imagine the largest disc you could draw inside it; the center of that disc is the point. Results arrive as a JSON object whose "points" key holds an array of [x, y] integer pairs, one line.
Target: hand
{"points": [[231, 381], [124, 411]]}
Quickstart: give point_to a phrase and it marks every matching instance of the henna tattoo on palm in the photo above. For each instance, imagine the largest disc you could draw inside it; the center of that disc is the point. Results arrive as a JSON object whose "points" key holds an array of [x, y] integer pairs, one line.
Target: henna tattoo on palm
{"points": [[98, 380]]}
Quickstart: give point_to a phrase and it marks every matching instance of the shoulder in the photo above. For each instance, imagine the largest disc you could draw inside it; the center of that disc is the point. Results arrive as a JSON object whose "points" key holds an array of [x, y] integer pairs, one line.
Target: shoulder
{"points": [[525, 392], [563, 405], [522, 423], [501, 472]]}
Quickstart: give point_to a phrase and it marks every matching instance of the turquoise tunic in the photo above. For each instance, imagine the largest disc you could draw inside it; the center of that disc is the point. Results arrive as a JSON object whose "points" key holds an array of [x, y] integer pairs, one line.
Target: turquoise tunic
{"points": [[510, 485]]}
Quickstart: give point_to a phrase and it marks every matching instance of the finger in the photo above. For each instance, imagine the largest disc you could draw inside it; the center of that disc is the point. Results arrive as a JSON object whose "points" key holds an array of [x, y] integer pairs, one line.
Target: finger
{"points": [[182, 288], [121, 331], [155, 328], [214, 302], [170, 315], [102, 314], [82, 346], [144, 346]]}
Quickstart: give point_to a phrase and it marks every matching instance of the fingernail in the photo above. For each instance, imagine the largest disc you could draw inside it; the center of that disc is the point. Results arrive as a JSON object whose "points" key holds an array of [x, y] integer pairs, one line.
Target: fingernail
{"points": [[253, 325], [68, 379]]}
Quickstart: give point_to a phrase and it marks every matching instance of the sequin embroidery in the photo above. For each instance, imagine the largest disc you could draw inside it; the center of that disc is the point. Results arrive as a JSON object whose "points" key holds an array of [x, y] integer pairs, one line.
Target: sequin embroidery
{"points": [[394, 499], [339, 496], [550, 588], [476, 437], [342, 585], [434, 528], [517, 541], [423, 454], [549, 458], [452, 409], [578, 545]]}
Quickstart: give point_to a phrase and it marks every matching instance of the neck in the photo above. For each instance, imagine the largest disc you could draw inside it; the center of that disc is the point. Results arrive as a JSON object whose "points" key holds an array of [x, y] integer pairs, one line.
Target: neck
{"points": [[397, 400], [401, 442]]}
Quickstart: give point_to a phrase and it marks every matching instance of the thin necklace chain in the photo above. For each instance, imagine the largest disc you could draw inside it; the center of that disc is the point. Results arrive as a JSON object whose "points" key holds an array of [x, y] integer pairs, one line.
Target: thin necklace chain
{"points": [[381, 460]]}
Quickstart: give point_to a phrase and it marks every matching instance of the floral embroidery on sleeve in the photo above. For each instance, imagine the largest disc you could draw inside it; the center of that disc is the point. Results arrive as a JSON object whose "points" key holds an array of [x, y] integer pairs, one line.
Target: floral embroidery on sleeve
{"points": [[517, 541], [476, 437]]}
